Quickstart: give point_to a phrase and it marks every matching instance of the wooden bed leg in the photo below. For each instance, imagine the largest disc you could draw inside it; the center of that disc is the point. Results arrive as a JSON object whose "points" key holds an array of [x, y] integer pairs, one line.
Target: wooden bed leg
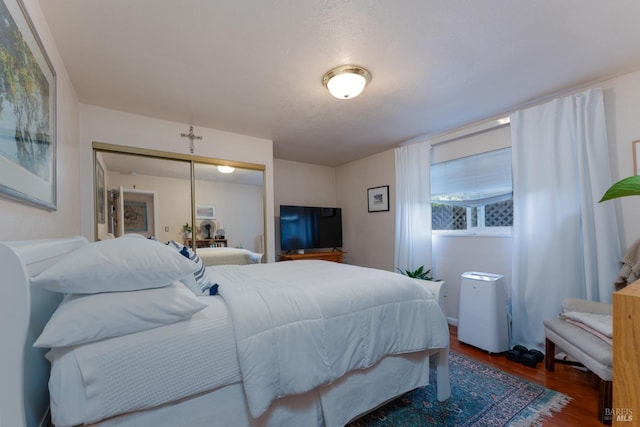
{"points": [[442, 375], [605, 400], [550, 354]]}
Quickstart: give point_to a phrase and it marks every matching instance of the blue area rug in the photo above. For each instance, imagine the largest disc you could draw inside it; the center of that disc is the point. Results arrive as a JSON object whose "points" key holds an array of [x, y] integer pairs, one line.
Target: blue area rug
{"points": [[480, 396]]}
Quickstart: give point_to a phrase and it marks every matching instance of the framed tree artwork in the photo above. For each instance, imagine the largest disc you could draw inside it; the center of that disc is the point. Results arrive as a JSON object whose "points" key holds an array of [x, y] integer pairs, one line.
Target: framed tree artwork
{"points": [[27, 111]]}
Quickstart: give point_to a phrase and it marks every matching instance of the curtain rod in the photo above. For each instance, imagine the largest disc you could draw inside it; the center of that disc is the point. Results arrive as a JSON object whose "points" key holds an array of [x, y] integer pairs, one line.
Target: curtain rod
{"points": [[469, 131], [496, 123]]}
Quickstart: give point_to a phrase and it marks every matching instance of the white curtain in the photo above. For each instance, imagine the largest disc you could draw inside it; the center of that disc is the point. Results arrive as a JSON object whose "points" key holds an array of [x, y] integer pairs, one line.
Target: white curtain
{"points": [[413, 207], [565, 244]]}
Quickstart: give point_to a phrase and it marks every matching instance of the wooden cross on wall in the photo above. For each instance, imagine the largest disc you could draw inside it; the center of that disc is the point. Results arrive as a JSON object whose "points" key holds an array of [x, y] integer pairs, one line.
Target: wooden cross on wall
{"points": [[191, 137]]}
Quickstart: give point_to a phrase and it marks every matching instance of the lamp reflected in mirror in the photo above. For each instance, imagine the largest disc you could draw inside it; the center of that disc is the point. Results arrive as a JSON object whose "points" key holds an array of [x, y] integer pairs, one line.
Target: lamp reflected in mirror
{"points": [[226, 169]]}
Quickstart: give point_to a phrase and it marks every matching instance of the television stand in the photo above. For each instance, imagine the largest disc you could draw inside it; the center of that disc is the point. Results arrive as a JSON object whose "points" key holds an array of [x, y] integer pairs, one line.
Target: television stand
{"points": [[335, 256]]}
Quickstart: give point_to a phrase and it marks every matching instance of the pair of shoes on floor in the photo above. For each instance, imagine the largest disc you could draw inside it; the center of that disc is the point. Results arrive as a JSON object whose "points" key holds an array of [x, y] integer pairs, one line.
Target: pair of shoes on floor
{"points": [[527, 357]]}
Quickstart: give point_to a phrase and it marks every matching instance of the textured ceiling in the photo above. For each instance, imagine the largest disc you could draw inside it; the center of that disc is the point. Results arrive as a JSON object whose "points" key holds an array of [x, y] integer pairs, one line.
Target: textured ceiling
{"points": [[255, 67]]}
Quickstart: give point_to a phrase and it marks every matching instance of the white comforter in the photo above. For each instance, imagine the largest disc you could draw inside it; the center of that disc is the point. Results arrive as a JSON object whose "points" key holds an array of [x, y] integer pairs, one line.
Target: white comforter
{"points": [[300, 324]]}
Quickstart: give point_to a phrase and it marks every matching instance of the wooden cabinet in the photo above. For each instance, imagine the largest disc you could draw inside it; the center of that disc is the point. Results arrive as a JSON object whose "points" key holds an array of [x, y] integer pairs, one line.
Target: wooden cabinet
{"points": [[626, 356], [205, 243], [335, 256]]}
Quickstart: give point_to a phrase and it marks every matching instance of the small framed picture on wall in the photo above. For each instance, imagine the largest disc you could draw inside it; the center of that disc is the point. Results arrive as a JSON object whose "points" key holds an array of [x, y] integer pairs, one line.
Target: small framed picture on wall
{"points": [[205, 212], [378, 199]]}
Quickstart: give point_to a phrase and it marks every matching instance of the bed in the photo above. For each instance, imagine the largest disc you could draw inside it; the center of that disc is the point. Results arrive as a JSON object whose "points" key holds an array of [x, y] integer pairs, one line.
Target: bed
{"points": [[226, 392], [223, 256]]}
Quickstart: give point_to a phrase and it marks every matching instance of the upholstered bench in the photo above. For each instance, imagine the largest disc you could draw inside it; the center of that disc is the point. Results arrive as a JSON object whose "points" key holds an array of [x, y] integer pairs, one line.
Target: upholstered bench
{"points": [[586, 348]]}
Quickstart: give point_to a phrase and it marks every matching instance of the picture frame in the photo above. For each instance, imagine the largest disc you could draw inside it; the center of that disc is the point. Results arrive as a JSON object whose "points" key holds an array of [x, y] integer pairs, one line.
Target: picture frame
{"points": [[27, 148], [205, 211], [101, 194], [136, 216], [378, 199]]}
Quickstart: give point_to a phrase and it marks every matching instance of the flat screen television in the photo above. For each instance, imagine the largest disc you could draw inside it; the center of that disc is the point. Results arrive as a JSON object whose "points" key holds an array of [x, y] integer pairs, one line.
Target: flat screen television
{"points": [[308, 227]]}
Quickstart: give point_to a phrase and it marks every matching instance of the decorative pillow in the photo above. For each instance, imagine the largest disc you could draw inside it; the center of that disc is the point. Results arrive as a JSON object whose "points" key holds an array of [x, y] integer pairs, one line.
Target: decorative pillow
{"points": [[201, 276], [115, 265], [86, 318]]}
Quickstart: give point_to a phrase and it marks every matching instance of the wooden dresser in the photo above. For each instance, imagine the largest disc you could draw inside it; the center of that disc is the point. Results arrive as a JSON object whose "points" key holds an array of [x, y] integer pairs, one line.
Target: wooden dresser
{"points": [[626, 356], [205, 243], [335, 256]]}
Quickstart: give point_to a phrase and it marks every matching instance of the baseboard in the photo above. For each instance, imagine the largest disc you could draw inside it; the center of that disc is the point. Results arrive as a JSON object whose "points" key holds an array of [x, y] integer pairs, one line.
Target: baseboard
{"points": [[452, 321]]}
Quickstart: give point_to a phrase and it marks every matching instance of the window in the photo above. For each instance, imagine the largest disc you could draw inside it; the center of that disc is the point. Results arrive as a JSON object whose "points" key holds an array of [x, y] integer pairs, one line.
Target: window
{"points": [[473, 193]]}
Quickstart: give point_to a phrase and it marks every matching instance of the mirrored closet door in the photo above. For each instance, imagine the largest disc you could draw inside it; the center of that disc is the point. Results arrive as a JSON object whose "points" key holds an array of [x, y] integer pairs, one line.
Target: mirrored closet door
{"points": [[229, 207], [198, 201]]}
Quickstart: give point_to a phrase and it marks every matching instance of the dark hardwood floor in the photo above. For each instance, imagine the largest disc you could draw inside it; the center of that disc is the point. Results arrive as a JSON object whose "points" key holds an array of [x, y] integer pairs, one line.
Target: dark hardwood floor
{"points": [[581, 386]]}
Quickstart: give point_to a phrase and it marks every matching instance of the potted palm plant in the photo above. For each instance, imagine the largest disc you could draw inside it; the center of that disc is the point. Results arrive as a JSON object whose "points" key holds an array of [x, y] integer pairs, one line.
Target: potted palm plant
{"points": [[436, 286], [419, 273]]}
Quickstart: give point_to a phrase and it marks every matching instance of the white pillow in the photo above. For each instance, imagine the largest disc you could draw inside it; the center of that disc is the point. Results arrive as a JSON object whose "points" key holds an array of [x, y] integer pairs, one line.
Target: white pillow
{"points": [[115, 265], [86, 318], [201, 276], [190, 282]]}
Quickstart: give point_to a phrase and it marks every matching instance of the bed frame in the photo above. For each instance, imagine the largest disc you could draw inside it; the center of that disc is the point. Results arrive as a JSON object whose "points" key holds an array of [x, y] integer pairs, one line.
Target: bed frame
{"points": [[24, 312]]}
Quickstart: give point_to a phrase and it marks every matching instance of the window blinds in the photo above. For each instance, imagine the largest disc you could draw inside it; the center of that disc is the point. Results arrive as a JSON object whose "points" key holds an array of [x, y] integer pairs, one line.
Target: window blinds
{"points": [[473, 181]]}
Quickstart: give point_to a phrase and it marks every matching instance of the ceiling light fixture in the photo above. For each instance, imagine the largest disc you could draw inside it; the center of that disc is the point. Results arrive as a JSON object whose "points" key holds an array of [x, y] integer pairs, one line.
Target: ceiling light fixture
{"points": [[346, 81], [226, 169]]}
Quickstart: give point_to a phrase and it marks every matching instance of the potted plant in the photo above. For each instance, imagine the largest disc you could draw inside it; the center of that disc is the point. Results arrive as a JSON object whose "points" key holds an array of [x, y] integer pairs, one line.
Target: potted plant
{"points": [[419, 273], [436, 286], [186, 230], [629, 186]]}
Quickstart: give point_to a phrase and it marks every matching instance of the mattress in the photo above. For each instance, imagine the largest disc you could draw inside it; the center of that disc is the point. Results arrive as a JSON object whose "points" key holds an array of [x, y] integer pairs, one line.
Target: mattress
{"points": [[224, 256], [94, 381], [329, 406]]}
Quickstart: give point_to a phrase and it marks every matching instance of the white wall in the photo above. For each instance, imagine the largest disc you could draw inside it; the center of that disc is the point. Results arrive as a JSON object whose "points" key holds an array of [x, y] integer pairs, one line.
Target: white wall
{"points": [[302, 184], [239, 208], [19, 221], [368, 236], [453, 256], [622, 109], [116, 127], [174, 200]]}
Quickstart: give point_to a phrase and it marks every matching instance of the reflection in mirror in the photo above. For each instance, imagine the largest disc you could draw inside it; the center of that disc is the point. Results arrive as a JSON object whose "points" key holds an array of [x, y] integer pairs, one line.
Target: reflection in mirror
{"points": [[150, 193], [143, 195], [229, 207], [636, 157]]}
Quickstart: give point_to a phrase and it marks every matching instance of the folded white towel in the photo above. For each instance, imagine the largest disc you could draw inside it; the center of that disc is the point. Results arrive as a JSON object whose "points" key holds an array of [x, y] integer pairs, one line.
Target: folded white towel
{"points": [[592, 331], [603, 323]]}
